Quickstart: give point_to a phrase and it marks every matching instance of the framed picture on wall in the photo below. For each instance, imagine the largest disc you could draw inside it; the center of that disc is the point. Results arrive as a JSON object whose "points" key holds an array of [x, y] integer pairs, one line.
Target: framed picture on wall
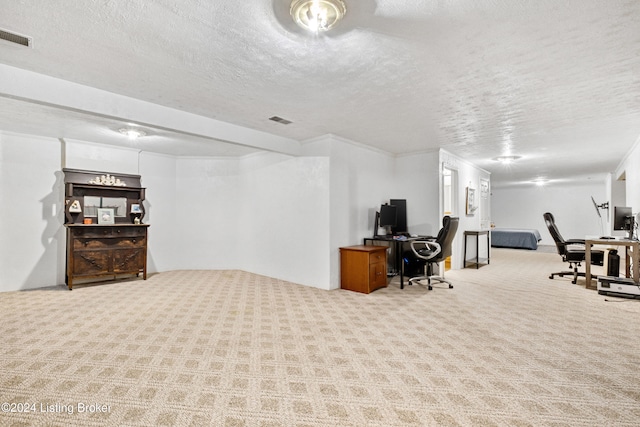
{"points": [[484, 189], [471, 201], [483, 206], [106, 216]]}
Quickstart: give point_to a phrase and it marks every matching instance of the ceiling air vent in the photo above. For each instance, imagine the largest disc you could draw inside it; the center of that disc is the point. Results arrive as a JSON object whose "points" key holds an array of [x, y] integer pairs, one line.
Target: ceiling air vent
{"points": [[280, 120], [15, 38]]}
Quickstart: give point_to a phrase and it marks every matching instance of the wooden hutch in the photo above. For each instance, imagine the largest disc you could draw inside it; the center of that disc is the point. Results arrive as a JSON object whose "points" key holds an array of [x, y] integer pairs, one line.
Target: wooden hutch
{"points": [[105, 233]]}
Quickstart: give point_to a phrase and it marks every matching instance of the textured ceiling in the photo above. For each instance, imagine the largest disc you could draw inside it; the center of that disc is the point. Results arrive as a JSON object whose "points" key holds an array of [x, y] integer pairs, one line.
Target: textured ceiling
{"points": [[556, 82]]}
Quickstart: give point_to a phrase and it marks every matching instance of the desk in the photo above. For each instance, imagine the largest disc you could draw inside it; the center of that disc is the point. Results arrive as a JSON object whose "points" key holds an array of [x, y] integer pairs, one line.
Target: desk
{"points": [[477, 233], [396, 244], [632, 266]]}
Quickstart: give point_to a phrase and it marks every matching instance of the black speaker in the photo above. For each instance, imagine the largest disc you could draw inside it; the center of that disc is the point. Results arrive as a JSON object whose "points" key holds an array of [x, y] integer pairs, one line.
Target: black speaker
{"points": [[613, 263]]}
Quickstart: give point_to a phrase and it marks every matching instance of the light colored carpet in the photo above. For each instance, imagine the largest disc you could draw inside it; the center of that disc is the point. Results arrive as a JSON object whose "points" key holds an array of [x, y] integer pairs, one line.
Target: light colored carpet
{"points": [[505, 347]]}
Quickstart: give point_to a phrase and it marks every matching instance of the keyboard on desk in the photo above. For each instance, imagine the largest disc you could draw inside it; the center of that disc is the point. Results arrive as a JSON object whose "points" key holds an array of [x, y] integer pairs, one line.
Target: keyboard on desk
{"points": [[403, 237]]}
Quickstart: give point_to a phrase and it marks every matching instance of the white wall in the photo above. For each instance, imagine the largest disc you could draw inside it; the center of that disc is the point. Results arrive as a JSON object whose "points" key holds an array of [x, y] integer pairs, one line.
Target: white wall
{"points": [[285, 223], [616, 196], [361, 179], [417, 179], [266, 213], [630, 169], [570, 204], [32, 236], [207, 219], [99, 157], [159, 177]]}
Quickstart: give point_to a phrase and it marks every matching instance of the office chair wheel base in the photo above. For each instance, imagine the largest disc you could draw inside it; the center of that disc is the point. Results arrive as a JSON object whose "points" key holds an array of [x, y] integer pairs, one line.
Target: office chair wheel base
{"points": [[430, 287], [450, 286]]}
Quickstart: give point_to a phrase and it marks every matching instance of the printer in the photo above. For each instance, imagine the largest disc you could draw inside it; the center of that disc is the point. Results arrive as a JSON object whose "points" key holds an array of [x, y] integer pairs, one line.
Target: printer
{"points": [[618, 287]]}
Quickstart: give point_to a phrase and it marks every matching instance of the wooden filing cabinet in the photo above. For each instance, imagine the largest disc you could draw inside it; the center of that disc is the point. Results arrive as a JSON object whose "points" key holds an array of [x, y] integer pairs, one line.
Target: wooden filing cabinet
{"points": [[363, 268]]}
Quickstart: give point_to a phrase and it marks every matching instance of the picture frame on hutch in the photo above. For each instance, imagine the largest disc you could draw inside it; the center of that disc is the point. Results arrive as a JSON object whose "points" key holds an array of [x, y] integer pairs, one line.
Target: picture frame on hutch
{"points": [[106, 216]]}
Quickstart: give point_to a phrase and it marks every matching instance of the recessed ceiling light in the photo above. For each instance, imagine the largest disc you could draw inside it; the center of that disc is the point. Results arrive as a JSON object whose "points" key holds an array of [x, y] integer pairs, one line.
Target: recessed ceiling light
{"points": [[132, 133], [506, 159], [317, 15]]}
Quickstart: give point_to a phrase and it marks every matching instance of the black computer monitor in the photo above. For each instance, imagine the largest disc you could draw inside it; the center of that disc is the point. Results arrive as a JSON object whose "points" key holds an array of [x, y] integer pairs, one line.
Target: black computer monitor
{"points": [[401, 216], [623, 219], [388, 216]]}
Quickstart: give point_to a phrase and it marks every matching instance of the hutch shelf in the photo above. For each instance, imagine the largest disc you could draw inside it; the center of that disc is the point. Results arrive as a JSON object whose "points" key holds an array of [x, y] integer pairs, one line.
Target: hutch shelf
{"points": [[106, 237]]}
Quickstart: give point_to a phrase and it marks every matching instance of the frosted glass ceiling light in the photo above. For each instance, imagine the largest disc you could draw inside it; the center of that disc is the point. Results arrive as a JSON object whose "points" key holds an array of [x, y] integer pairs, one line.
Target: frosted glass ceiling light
{"points": [[317, 15], [505, 160], [132, 133]]}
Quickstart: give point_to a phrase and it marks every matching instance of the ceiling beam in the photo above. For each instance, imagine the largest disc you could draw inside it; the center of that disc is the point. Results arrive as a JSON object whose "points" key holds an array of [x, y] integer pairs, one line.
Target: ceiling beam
{"points": [[41, 89]]}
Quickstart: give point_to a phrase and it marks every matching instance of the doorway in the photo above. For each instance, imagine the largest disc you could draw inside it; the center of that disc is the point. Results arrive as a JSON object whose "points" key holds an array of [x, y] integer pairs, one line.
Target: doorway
{"points": [[449, 198]]}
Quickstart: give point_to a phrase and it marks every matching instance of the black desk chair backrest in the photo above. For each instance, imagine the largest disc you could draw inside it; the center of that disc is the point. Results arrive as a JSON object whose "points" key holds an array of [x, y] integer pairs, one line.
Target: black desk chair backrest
{"points": [[561, 244], [445, 237]]}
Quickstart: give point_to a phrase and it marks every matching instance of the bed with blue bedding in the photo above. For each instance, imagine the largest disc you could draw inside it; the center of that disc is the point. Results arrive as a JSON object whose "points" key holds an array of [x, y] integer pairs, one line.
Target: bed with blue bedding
{"points": [[515, 238]]}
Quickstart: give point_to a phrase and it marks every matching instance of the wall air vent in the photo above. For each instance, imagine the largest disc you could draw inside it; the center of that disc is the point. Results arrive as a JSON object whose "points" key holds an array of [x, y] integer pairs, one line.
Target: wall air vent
{"points": [[15, 38], [280, 120]]}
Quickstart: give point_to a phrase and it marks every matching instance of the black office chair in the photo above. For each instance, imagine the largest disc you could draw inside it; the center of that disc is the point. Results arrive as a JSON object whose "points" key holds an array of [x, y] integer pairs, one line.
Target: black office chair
{"points": [[571, 251], [426, 253]]}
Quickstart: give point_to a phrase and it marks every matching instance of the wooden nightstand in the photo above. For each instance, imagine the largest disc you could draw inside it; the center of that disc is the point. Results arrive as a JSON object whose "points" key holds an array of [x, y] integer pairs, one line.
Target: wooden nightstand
{"points": [[363, 268]]}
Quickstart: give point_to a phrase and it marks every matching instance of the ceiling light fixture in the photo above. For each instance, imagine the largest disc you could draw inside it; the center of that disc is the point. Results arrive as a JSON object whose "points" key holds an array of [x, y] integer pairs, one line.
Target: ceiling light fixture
{"points": [[505, 160], [132, 133], [317, 15]]}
